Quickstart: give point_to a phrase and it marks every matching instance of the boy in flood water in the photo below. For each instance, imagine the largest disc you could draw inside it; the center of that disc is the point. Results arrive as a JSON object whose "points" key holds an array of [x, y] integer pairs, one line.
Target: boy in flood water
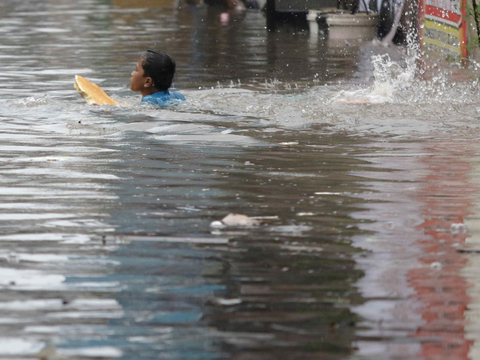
{"points": [[153, 76]]}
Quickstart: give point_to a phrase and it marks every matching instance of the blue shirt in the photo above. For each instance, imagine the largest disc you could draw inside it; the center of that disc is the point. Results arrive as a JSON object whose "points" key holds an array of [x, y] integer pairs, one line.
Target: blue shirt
{"points": [[164, 98]]}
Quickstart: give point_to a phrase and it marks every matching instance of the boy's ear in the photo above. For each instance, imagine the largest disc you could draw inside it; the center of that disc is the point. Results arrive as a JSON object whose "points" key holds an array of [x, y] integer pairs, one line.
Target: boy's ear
{"points": [[148, 82]]}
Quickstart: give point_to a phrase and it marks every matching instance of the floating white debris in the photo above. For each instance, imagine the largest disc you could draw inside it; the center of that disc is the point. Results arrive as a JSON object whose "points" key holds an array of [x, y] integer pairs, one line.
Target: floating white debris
{"points": [[289, 143], [226, 302], [217, 225], [235, 220], [305, 214], [327, 193]]}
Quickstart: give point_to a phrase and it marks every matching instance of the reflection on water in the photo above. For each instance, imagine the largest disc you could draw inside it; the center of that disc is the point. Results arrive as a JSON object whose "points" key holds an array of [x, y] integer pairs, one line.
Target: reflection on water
{"points": [[440, 286], [106, 249], [425, 301]]}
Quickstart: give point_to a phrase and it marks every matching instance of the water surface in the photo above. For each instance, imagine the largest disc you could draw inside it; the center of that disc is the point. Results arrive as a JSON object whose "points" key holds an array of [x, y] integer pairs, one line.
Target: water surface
{"points": [[366, 248]]}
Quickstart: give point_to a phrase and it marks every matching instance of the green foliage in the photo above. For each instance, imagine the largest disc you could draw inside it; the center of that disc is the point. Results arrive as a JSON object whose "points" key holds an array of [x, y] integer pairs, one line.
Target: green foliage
{"points": [[472, 10]]}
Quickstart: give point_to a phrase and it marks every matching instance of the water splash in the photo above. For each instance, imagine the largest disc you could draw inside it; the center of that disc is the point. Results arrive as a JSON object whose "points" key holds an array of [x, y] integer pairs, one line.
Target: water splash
{"points": [[391, 78]]}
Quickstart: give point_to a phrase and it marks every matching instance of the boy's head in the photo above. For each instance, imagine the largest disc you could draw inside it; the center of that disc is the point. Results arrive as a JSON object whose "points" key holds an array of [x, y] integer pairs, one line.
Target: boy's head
{"points": [[154, 69]]}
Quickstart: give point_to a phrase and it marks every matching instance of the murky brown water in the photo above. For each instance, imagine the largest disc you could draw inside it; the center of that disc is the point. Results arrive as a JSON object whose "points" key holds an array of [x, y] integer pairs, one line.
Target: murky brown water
{"points": [[369, 210]]}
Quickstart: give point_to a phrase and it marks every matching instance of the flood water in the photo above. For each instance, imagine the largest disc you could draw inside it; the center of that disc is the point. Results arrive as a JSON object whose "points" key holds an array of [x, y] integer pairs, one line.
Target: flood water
{"points": [[368, 242]]}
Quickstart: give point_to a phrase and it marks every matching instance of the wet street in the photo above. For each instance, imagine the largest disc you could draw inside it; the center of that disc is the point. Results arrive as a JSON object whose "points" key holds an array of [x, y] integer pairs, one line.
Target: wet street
{"points": [[360, 161]]}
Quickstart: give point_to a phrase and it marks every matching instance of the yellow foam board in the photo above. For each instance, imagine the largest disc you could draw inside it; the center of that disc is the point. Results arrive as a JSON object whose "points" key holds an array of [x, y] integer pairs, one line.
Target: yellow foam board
{"points": [[92, 93]]}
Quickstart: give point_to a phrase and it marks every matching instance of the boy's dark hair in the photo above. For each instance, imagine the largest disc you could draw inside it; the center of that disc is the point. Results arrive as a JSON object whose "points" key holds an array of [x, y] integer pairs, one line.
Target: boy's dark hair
{"points": [[160, 67]]}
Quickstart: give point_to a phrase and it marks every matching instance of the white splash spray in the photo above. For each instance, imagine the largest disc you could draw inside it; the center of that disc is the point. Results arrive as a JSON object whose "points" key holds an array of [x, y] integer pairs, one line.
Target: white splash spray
{"points": [[391, 78]]}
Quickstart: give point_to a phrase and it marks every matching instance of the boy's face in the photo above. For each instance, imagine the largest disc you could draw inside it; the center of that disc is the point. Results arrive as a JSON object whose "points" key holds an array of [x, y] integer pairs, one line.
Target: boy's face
{"points": [[138, 79]]}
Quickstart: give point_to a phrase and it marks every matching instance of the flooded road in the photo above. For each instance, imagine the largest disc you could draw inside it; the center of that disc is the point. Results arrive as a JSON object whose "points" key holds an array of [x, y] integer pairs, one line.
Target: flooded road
{"points": [[369, 236]]}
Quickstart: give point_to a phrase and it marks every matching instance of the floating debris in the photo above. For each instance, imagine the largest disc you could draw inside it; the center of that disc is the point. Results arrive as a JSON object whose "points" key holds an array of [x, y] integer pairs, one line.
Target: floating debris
{"points": [[226, 302], [289, 143], [305, 214], [235, 220]]}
